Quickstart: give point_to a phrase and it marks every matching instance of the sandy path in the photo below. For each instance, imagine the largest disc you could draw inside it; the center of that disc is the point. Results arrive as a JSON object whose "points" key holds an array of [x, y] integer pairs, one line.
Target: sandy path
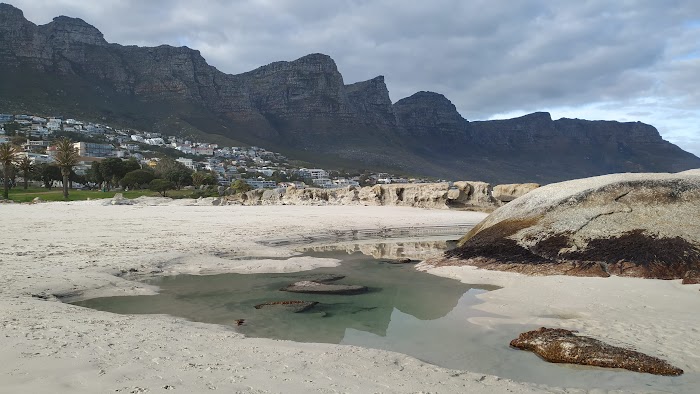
{"points": [[75, 249], [48, 346]]}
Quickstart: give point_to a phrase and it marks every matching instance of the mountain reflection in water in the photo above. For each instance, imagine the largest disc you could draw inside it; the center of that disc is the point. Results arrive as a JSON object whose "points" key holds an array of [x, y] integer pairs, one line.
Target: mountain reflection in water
{"points": [[223, 299]]}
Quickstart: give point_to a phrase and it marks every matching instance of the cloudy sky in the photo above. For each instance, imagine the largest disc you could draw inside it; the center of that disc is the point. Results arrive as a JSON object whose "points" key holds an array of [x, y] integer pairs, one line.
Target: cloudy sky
{"points": [[622, 60]]}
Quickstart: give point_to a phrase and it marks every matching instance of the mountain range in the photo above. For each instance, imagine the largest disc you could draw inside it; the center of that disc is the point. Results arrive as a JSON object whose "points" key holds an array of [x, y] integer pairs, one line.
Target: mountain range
{"points": [[304, 109]]}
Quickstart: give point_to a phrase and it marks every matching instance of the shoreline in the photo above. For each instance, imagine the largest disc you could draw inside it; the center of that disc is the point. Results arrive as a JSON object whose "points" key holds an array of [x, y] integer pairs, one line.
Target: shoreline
{"points": [[57, 256]]}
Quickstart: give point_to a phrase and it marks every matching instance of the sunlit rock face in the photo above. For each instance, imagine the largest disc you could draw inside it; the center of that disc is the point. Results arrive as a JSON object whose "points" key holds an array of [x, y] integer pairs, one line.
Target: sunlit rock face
{"points": [[464, 195], [639, 225]]}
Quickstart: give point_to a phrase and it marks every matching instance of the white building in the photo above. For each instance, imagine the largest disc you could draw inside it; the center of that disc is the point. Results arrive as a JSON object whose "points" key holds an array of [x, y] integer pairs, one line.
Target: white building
{"points": [[260, 184], [189, 163], [342, 182], [313, 173], [54, 124], [154, 141], [324, 183]]}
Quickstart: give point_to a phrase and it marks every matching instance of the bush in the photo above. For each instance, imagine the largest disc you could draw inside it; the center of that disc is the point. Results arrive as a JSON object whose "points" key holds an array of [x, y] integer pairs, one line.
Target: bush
{"points": [[136, 179], [161, 186], [240, 187]]}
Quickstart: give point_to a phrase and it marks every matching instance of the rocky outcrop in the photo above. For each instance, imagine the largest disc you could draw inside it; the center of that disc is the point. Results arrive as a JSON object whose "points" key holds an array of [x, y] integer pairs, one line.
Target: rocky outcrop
{"points": [[639, 225], [508, 193], [557, 345], [429, 115], [313, 287], [463, 195], [304, 109]]}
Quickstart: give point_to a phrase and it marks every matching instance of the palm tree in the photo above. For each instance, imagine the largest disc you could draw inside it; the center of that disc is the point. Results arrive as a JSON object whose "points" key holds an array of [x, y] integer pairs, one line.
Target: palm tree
{"points": [[26, 166], [8, 155], [66, 157]]}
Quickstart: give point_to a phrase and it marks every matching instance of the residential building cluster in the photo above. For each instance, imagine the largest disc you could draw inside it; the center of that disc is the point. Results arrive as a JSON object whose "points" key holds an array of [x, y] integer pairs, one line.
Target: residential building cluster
{"points": [[256, 166]]}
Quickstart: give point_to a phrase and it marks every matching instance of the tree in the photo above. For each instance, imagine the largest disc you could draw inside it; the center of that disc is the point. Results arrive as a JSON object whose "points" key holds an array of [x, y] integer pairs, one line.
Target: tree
{"points": [[112, 170], [95, 173], [136, 179], [198, 178], [161, 186], [240, 186], [27, 167], [131, 165], [66, 157], [173, 171], [11, 128], [48, 174], [210, 178], [8, 155]]}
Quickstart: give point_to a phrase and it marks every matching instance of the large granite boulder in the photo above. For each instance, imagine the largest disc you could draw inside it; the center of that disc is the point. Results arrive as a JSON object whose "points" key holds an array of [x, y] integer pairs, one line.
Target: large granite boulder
{"points": [[557, 345], [639, 225]]}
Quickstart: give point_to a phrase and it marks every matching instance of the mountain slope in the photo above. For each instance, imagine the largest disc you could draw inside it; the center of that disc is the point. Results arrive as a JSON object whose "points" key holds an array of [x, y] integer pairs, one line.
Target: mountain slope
{"points": [[304, 109]]}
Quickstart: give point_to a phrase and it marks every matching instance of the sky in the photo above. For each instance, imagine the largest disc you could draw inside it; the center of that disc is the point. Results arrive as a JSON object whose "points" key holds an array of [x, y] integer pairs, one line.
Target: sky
{"points": [[625, 60]]}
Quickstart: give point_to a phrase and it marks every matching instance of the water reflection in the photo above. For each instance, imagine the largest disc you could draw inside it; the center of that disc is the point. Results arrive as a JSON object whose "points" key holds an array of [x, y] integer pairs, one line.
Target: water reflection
{"points": [[223, 299], [419, 250], [406, 311]]}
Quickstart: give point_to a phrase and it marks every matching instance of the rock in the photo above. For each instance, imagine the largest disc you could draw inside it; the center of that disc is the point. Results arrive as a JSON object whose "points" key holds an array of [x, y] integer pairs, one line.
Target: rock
{"points": [[221, 190], [637, 225], [37, 200], [557, 345], [430, 116], [119, 199], [324, 278], [463, 195], [476, 196], [507, 193], [691, 277], [400, 261], [312, 287], [291, 306]]}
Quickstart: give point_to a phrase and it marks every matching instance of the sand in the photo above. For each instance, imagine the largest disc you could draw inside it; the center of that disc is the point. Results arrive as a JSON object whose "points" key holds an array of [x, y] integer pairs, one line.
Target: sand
{"points": [[75, 251]]}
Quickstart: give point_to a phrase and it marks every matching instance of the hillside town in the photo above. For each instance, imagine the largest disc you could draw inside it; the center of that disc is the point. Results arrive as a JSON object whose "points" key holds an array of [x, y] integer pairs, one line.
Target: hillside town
{"points": [[257, 167]]}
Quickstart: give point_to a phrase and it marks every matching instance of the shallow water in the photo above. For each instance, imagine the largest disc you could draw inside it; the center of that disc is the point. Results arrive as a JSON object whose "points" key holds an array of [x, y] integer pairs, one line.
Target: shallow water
{"points": [[406, 311]]}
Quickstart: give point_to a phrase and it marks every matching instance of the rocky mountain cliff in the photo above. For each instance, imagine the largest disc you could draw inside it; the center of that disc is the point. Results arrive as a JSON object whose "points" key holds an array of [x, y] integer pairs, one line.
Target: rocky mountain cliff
{"points": [[304, 109]]}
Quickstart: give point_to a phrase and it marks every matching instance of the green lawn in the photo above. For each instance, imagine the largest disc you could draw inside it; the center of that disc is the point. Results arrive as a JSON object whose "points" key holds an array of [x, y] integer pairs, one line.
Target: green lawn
{"points": [[18, 194]]}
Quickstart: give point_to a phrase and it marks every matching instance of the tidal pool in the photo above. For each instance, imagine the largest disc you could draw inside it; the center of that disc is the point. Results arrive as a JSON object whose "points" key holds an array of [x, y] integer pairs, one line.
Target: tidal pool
{"points": [[405, 311]]}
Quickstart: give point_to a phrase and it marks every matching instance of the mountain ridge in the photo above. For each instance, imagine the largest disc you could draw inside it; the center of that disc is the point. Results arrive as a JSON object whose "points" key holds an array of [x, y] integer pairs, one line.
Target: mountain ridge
{"points": [[304, 109]]}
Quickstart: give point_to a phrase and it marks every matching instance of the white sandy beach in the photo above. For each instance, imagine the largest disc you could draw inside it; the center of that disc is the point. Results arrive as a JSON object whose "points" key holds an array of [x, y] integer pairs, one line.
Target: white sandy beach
{"points": [[75, 249]]}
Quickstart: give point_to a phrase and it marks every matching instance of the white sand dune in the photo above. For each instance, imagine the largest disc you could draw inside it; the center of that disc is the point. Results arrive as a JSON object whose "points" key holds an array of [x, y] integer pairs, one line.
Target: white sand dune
{"points": [[75, 249]]}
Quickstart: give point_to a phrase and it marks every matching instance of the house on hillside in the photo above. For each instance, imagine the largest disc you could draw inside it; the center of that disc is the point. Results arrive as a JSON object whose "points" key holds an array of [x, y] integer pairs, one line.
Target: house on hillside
{"points": [[90, 149]]}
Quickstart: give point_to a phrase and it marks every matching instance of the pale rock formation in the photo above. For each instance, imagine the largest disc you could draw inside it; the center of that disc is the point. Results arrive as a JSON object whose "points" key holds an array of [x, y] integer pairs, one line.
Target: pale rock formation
{"points": [[509, 192], [639, 225], [464, 195]]}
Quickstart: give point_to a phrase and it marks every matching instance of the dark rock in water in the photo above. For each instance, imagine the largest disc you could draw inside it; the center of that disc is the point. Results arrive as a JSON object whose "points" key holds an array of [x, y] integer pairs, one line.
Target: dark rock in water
{"points": [[557, 345], [291, 306], [400, 261], [312, 287], [323, 278]]}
